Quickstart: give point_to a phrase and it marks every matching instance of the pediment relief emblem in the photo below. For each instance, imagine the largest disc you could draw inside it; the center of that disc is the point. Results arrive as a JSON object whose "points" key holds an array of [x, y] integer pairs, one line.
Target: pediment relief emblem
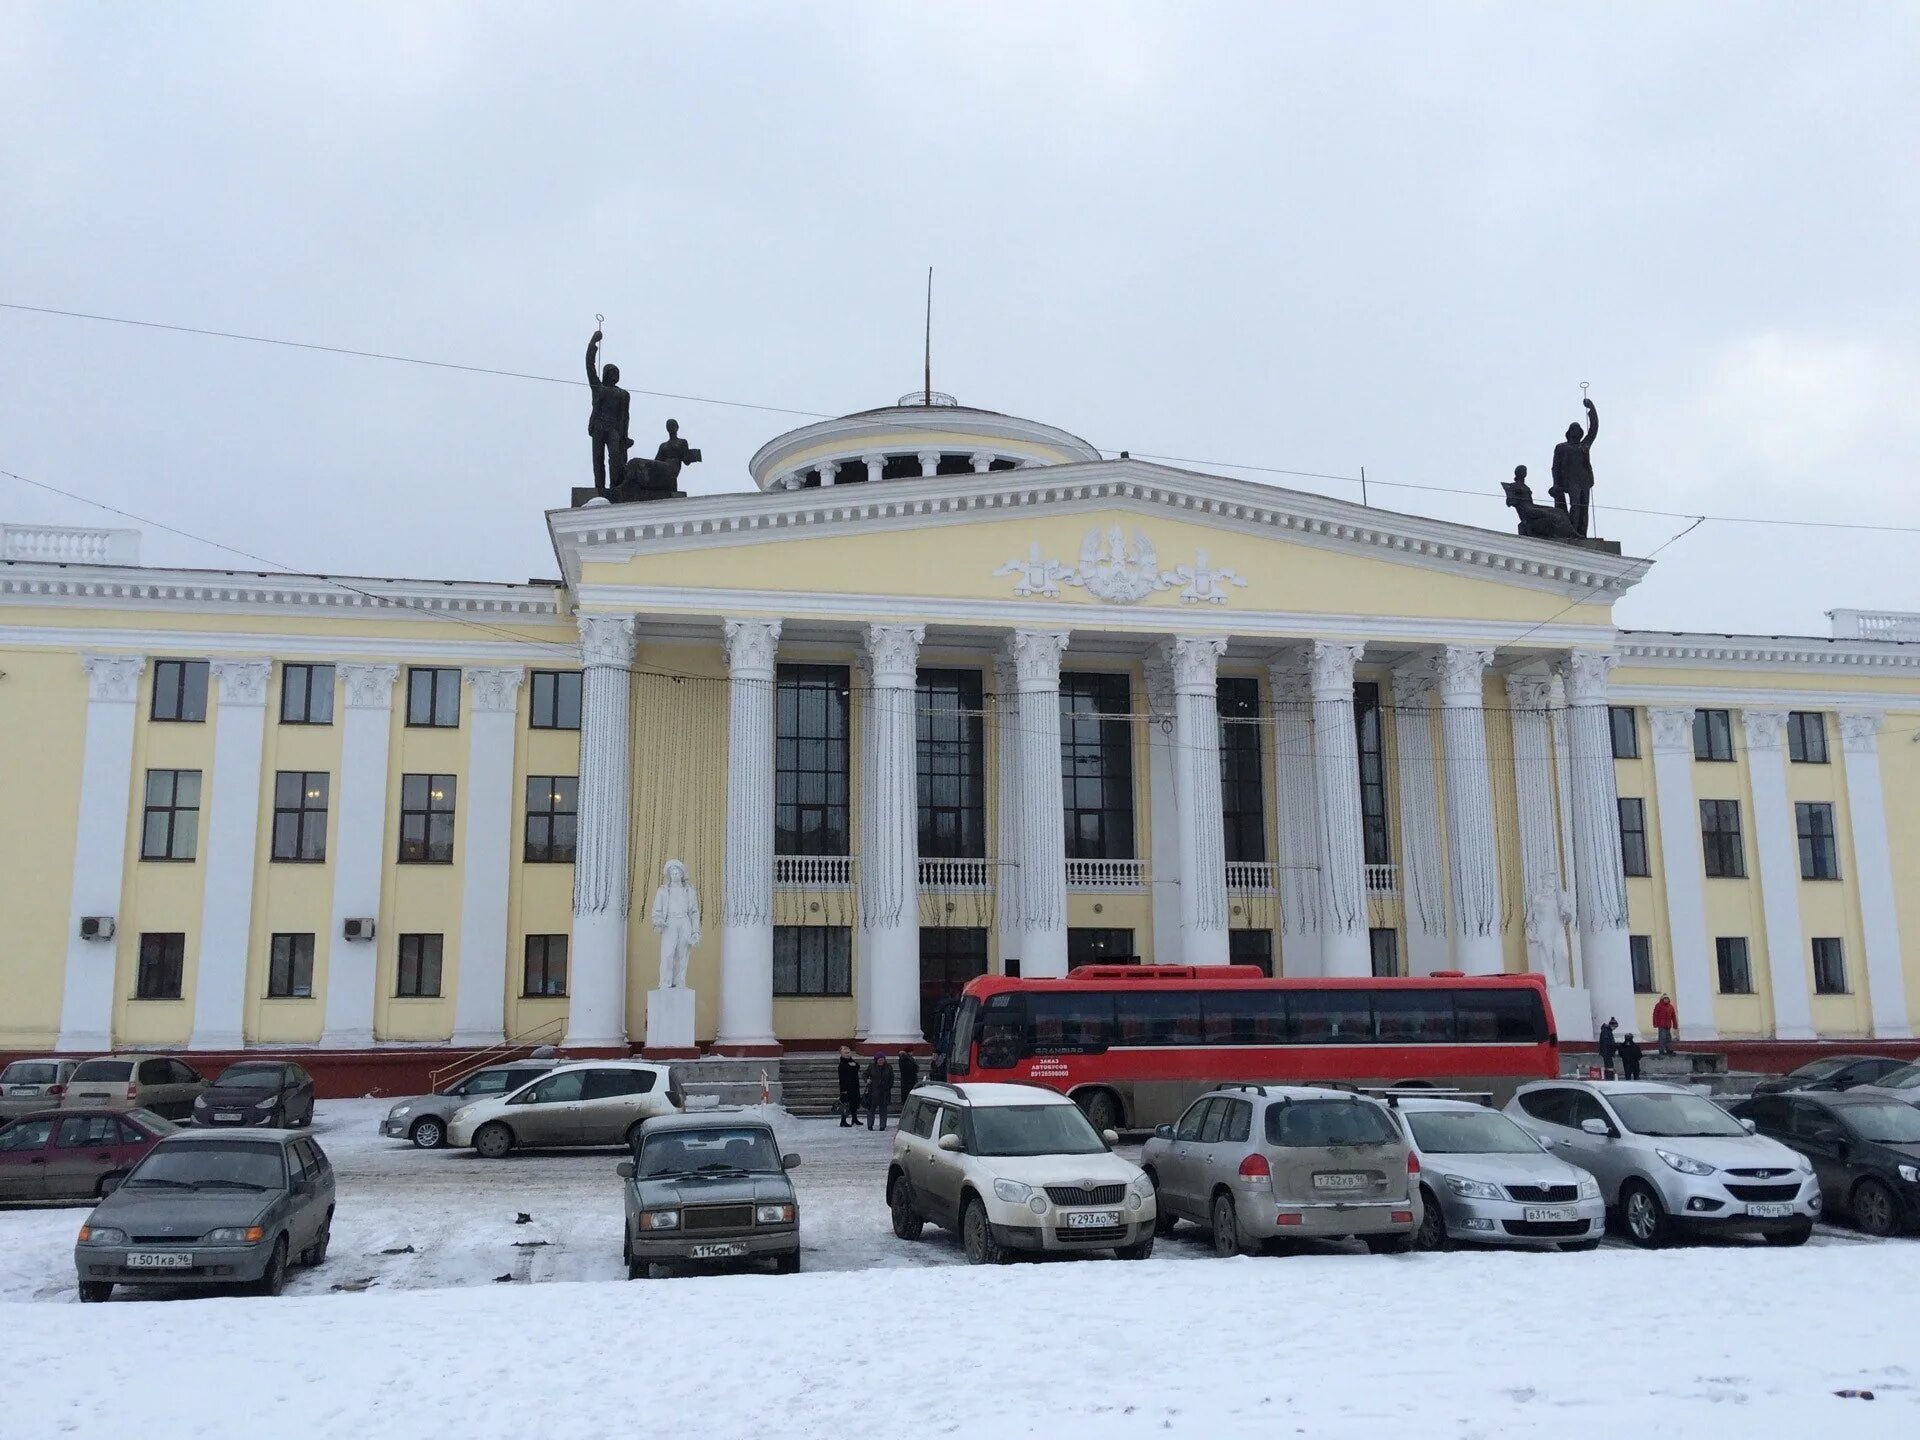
{"points": [[1120, 569]]}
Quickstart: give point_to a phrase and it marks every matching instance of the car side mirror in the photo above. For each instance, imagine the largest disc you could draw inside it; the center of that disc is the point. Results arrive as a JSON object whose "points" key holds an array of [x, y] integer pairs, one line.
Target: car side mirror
{"points": [[1749, 1125], [1594, 1125], [949, 1142], [789, 1161], [110, 1184], [1163, 1132], [624, 1169], [1111, 1137]]}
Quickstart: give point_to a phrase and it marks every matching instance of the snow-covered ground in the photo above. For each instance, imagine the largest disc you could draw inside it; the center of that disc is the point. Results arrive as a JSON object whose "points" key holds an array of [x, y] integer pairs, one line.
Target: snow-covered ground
{"points": [[403, 1330]]}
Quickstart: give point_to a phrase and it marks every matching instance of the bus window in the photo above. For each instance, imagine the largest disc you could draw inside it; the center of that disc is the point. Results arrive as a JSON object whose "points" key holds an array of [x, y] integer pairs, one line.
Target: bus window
{"points": [[1512, 1016], [1062, 1023], [960, 1038], [1159, 1017], [1413, 1016], [1243, 1017], [1331, 1017]]}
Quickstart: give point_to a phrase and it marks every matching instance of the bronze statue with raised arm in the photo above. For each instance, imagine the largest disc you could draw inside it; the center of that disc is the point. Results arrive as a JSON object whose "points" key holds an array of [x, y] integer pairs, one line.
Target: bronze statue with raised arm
{"points": [[1572, 488], [607, 425]]}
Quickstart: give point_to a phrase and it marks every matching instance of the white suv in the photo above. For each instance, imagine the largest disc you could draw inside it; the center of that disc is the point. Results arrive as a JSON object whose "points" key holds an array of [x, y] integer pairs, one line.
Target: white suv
{"points": [[1014, 1167]]}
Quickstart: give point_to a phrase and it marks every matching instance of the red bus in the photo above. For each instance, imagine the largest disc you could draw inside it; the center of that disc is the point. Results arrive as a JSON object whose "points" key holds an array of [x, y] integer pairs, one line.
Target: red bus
{"points": [[1134, 1044]]}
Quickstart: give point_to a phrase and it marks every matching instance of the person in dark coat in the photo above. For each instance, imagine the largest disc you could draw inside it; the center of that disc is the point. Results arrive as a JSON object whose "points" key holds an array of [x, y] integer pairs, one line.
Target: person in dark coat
{"points": [[879, 1092], [909, 1075], [849, 1088], [1608, 1047], [1630, 1057]]}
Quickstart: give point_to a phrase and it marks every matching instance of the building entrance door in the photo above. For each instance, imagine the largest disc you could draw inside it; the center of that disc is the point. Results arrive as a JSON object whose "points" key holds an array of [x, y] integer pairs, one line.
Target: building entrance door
{"points": [[949, 958]]}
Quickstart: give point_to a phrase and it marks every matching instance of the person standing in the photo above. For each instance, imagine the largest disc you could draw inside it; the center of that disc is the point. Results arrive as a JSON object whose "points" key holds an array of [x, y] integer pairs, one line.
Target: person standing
{"points": [[1666, 1020], [909, 1075], [849, 1088], [1630, 1057], [879, 1092], [607, 423], [1608, 1047]]}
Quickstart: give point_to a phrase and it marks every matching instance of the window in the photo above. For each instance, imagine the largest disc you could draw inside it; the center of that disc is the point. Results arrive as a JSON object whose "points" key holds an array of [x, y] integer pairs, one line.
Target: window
{"points": [[1829, 966], [1384, 946], [306, 694], [1414, 1017], [1373, 773], [433, 696], [1091, 945], [27, 1135], [1633, 835], [1736, 974], [1243, 1017], [417, 976], [1819, 852], [290, 967], [555, 701], [1157, 1017], [1251, 947], [810, 761], [80, 1131], [1720, 846], [1640, 952], [553, 806], [950, 736], [170, 827], [1065, 1022], [1807, 737], [950, 956], [180, 690], [162, 960], [1712, 735], [610, 1084], [1242, 789], [1331, 1017], [300, 815], [1096, 766], [1508, 1016], [1214, 1122], [561, 1089], [1626, 736], [426, 819], [812, 960], [545, 969]]}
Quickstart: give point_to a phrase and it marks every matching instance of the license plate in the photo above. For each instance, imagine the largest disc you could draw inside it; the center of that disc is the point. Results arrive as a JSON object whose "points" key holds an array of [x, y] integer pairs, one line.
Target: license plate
{"points": [[1340, 1182], [160, 1260], [226, 1114], [1773, 1210], [718, 1250], [1092, 1219], [1550, 1213]]}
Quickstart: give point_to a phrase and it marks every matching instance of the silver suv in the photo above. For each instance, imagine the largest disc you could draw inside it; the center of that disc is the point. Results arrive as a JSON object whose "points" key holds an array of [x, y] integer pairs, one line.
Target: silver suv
{"points": [[1014, 1167], [1670, 1160], [1256, 1163]]}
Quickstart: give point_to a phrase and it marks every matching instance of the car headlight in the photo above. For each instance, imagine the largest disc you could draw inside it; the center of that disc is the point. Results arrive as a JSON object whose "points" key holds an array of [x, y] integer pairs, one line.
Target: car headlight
{"points": [[1910, 1174], [1685, 1164], [1013, 1191], [102, 1235], [200, 1102], [1143, 1187], [398, 1111], [1589, 1188], [1473, 1189], [772, 1214], [266, 1104], [235, 1235], [660, 1220]]}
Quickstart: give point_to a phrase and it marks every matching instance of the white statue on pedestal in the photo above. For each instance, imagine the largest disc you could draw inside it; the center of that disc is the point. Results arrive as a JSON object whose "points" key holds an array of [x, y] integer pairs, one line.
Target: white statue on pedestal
{"points": [[1549, 912], [676, 915]]}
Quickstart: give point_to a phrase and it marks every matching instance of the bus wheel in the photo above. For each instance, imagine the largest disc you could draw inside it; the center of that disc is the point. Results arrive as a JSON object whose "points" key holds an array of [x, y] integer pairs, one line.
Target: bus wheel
{"points": [[1102, 1109]]}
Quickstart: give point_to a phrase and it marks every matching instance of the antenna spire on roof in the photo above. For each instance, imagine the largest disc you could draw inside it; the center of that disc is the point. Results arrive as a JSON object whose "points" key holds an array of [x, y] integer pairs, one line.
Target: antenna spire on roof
{"points": [[926, 390]]}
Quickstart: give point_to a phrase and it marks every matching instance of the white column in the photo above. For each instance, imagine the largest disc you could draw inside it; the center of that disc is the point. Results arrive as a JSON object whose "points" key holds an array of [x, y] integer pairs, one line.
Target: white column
{"points": [[1528, 693], [1423, 884], [100, 849], [1681, 867], [487, 839], [929, 462], [1777, 846], [1599, 881], [1296, 808], [1473, 862], [1193, 663], [231, 827], [1043, 887], [876, 466], [1166, 868], [1344, 949], [889, 840], [865, 734], [828, 469], [1873, 878], [982, 461], [1010, 803], [602, 866], [359, 861], [1563, 792], [746, 916]]}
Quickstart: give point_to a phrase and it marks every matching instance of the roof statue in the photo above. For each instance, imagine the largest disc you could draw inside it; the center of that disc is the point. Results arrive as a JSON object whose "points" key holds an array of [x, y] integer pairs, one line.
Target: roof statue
{"points": [[617, 476]]}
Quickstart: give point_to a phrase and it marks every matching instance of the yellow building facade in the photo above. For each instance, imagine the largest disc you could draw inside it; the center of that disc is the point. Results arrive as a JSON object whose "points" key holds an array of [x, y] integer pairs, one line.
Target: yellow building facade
{"points": [[944, 693]]}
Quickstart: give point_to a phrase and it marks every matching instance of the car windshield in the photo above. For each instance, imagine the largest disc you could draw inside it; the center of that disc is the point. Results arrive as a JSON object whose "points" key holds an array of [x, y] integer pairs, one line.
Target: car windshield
{"points": [[1886, 1121], [1329, 1122], [1905, 1078], [1653, 1113], [1033, 1130], [1819, 1069], [249, 1077], [211, 1165], [103, 1070], [30, 1072], [1469, 1132], [732, 1150]]}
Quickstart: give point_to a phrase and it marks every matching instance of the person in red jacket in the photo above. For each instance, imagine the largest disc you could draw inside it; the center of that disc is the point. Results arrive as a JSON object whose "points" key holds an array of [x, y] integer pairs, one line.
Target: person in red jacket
{"points": [[1665, 1022]]}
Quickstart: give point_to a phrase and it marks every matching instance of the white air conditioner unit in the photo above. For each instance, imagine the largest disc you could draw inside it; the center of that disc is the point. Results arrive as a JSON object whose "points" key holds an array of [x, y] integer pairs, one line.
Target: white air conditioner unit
{"points": [[358, 930], [96, 927]]}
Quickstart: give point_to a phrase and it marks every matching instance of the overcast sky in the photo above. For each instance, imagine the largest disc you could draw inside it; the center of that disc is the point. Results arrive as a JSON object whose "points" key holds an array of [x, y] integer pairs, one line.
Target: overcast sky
{"points": [[1311, 237]]}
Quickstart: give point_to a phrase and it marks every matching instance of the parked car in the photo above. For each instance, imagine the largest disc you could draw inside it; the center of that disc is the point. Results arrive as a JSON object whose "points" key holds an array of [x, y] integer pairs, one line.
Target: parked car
{"points": [[208, 1208], [707, 1187], [423, 1118], [1864, 1148], [1014, 1167], [1902, 1085], [591, 1102], [1831, 1072], [1256, 1163], [74, 1154], [163, 1084], [1668, 1160], [1485, 1180], [273, 1093], [30, 1085]]}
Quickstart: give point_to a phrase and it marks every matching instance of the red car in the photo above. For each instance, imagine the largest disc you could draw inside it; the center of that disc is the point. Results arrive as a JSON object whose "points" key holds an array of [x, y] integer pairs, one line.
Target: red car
{"points": [[74, 1154]]}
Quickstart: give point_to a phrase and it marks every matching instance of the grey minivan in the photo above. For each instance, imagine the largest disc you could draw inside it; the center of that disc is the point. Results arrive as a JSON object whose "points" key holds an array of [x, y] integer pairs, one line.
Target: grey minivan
{"points": [[423, 1118]]}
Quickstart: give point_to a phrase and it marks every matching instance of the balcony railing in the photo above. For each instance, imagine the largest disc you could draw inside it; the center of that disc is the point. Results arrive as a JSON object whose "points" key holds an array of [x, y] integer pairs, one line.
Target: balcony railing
{"points": [[1105, 875], [1249, 877], [1875, 624], [955, 873], [69, 544], [1383, 881], [813, 872]]}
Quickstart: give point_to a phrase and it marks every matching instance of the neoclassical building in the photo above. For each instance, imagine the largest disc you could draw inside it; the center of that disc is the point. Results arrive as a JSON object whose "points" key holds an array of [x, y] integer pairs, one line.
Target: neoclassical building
{"points": [[943, 692]]}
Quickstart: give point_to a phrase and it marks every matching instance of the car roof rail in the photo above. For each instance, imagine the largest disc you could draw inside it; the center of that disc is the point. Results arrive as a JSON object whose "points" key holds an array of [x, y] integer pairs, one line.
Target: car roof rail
{"points": [[1254, 1086], [1394, 1094], [941, 1085]]}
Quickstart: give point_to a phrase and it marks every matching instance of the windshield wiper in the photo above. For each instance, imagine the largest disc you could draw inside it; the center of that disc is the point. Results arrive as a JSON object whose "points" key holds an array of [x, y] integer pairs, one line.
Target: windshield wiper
{"points": [[162, 1180], [236, 1184]]}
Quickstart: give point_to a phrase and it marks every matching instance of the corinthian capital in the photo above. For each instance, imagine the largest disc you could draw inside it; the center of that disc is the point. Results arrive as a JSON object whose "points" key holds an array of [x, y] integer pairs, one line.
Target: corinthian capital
{"points": [[1585, 674], [1764, 728], [1191, 662], [607, 640], [242, 682], [750, 645], [114, 677], [1672, 727], [1331, 664], [1036, 657], [1459, 670], [1860, 732], [894, 652], [369, 687]]}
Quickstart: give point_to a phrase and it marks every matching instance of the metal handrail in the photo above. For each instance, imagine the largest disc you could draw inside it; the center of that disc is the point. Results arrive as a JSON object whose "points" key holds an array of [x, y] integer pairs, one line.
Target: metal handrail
{"points": [[528, 1040]]}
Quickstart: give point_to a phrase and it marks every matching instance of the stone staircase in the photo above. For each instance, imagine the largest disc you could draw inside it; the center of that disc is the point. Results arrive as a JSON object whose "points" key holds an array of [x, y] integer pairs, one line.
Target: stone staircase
{"points": [[810, 1082], [1704, 1070], [711, 1080]]}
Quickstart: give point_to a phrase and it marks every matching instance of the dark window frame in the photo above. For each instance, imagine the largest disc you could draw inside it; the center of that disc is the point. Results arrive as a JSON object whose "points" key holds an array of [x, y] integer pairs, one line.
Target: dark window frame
{"points": [[415, 953], [179, 819], [1807, 738], [1623, 726], [950, 764], [1096, 766], [1733, 964], [1819, 841], [428, 810], [1383, 951], [1099, 945], [544, 955], [1829, 965], [304, 821], [812, 761], [1640, 961], [289, 956], [1243, 786], [304, 690], [550, 833], [1370, 743], [554, 696], [179, 692], [160, 965], [1723, 846], [826, 950], [1635, 857], [1251, 947], [1713, 736], [428, 704]]}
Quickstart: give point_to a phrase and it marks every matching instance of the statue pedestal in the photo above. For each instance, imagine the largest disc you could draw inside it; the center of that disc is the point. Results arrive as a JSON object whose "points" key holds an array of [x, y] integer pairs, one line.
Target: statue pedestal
{"points": [[1572, 1013], [670, 1025]]}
